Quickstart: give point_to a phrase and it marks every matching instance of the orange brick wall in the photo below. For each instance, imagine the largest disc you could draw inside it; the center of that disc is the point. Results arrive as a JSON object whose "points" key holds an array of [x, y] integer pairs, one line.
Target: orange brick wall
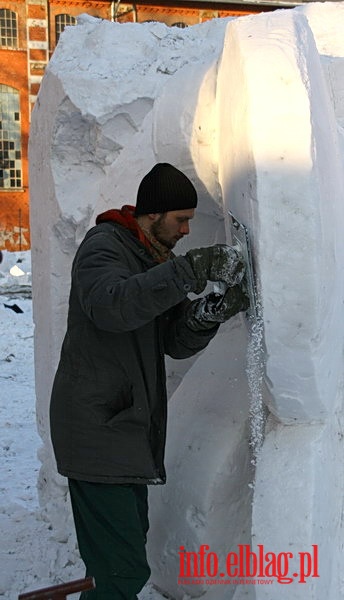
{"points": [[15, 71], [14, 205], [36, 11]]}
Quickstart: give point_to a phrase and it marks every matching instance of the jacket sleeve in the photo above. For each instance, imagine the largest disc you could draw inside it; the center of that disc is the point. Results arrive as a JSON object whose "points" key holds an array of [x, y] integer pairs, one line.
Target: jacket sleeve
{"points": [[179, 340], [114, 298]]}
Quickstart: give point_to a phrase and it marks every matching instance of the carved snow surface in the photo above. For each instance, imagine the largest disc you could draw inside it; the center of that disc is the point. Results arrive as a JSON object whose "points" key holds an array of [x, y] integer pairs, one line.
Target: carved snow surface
{"points": [[251, 109]]}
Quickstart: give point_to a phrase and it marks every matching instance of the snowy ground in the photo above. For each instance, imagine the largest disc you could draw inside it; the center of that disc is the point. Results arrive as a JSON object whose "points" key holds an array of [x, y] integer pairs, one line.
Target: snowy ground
{"points": [[30, 558]]}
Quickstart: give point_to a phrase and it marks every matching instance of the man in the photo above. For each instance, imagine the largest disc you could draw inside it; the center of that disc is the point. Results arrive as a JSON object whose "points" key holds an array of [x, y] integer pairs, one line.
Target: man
{"points": [[128, 307]]}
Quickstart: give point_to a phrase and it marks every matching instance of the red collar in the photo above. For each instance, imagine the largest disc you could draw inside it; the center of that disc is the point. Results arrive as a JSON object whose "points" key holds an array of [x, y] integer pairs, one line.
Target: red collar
{"points": [[125, 216]]}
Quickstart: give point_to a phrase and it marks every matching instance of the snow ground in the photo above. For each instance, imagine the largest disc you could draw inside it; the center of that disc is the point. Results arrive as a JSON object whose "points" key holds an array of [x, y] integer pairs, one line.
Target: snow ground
{"points": [[24, 535], [30, 558]]}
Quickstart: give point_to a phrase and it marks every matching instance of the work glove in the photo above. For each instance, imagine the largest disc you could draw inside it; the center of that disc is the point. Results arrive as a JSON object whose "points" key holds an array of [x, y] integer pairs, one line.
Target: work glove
{"points": [[206, 312], [216, 263]]}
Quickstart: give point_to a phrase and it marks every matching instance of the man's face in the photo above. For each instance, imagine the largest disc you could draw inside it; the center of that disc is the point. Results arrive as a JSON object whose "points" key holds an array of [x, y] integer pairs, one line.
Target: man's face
{"points": [[171, 226]]}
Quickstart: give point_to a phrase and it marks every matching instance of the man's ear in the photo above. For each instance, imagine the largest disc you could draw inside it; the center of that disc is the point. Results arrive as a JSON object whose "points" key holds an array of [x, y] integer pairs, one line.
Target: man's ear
{"points": [[154, 216]]}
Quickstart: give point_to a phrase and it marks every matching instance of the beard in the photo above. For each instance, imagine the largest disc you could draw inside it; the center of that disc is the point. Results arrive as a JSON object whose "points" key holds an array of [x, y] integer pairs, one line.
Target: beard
{"points": [[162, 233]]}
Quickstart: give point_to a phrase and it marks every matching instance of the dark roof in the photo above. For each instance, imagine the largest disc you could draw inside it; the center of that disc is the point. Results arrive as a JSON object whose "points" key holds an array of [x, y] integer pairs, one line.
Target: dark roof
{"points": [[232, 4], [269, 2], [256, 2]]}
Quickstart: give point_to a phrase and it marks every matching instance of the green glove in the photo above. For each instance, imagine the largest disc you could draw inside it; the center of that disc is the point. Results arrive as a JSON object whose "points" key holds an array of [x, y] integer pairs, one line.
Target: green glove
{"points": [[206, 312], [216, 263]]}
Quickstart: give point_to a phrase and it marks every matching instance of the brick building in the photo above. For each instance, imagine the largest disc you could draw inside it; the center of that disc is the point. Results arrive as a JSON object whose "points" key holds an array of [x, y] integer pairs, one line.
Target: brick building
{"points": [[29, 32]]}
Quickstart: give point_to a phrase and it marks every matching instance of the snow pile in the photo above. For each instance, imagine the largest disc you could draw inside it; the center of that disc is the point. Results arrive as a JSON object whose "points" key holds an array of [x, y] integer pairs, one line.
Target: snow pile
{"points": [[30, 557], [15, 273], [251, 109]]}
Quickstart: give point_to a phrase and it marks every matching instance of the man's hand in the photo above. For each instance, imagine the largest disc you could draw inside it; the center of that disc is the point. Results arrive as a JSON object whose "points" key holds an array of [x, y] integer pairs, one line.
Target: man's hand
{"points": [[210, 310], [216, 263]]}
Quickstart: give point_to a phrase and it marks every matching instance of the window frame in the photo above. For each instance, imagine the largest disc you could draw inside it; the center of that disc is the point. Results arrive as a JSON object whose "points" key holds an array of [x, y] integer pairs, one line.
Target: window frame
{"points": [[62, 20], [11, 156], [9, 32]]}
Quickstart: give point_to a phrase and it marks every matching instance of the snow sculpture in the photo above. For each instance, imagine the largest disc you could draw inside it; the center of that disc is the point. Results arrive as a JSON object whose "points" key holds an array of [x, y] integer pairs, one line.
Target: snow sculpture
{"points": [[252, 109], [285, 145]]}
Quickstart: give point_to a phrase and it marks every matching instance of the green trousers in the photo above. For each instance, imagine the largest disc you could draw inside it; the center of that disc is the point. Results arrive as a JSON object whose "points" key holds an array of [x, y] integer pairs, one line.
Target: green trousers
{"points": [[111, 522]]}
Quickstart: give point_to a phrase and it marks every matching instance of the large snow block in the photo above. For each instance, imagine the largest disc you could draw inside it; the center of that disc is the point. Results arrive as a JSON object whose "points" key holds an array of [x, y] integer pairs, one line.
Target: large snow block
{"points": [[281, 173], [297, 508], [98, 126], [207, 498], [242, 107]]}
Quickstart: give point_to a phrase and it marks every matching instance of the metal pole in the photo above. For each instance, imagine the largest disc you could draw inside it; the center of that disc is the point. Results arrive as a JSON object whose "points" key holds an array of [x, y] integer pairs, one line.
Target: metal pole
{"points": [[20, 229], [59, 592]]}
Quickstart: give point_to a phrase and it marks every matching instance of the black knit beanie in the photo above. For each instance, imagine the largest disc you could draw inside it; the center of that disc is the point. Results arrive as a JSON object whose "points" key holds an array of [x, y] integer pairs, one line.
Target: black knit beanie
{"points": [[163, 189]]}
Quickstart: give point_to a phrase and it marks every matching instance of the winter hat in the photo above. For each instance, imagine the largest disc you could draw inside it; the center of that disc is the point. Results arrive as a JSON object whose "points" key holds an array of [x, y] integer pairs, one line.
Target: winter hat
{"points": [[163, 189]]}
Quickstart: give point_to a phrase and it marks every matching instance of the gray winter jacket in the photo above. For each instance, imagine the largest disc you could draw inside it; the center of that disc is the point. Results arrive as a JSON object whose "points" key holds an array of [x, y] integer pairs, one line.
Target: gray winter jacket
{"points": [[108, 405]]}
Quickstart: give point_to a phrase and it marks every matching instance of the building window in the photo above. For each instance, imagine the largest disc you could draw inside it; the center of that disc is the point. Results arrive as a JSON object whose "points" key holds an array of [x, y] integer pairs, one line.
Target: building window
{"points": [[179, 24], [61, 21], [10, 139], [8, 29]]}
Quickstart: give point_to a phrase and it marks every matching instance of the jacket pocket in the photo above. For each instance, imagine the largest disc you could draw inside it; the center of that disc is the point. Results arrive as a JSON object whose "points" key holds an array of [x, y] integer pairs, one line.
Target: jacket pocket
{"points": [[105, 397], [125, 415], [128, 447]]}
